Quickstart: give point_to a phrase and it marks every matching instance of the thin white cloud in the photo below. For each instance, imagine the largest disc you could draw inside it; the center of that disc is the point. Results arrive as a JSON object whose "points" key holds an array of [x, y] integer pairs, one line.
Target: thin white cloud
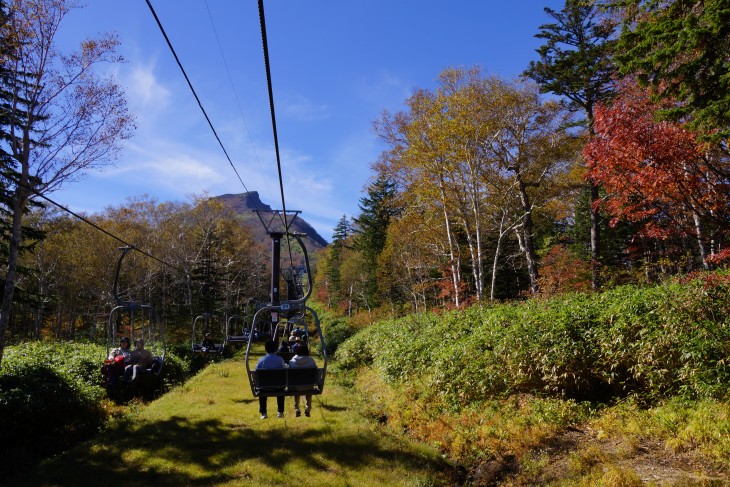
{"points": [[172, 167], [301, 108], [383, 89], [144, 88]]}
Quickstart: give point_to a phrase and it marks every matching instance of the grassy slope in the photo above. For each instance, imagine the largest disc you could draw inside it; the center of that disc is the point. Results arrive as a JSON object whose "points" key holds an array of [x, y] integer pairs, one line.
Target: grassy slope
{"points": [[208, 432]]}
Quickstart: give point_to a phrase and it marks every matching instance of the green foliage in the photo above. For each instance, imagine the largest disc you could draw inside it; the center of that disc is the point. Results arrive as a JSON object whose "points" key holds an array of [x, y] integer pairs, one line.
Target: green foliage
{"points": [[680, 48], [335, 332], [651, 343], [52, 395], [575, 61], [49, 398]]}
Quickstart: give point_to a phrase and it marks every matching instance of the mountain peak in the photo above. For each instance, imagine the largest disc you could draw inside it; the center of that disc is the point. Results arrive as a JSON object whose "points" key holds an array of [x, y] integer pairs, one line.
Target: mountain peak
{"points": [[243, 201], [243, 204]]}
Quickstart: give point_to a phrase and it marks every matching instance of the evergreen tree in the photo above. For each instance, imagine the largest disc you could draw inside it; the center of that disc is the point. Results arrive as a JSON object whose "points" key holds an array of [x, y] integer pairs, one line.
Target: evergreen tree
{"points": [[681, 48], [576, 63], [10, 114], [333, 263], [207, 273], [342, 231], [7, 164], [378, 208]]}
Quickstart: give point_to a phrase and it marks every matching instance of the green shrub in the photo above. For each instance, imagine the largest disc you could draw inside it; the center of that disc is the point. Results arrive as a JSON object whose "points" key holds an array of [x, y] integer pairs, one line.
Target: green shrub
{"points": [[335, 332], [651, 343], [49, 399]]}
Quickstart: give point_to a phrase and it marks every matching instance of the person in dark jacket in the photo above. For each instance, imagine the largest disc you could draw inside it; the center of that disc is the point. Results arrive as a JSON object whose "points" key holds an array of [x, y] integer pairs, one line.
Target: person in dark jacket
{"points": [[271, 361]]}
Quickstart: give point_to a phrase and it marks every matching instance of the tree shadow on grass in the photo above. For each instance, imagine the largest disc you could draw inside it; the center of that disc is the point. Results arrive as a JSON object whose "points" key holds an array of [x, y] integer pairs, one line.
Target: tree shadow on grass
{"points": [[245, 401], [179, 446], [331, 408]]}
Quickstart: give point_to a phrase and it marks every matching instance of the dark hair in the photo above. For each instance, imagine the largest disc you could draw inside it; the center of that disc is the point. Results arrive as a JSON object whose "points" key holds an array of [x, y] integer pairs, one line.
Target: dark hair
{"points": [[124, 339], [271, 346], [302, 350]]}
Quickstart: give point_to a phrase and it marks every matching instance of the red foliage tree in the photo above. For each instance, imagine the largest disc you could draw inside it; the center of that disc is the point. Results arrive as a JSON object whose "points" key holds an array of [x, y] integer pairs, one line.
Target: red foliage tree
{"points": [[561, 272], [657, 173]]}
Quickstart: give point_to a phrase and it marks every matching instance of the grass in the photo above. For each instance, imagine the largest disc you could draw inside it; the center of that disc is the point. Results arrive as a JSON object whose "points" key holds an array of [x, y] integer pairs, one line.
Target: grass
{"points": [[208, 432], [529, 440]]}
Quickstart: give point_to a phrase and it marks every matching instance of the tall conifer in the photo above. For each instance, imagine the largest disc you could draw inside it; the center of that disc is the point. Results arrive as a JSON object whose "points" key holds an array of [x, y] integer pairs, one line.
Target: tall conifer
{"points": [[576, 63]]}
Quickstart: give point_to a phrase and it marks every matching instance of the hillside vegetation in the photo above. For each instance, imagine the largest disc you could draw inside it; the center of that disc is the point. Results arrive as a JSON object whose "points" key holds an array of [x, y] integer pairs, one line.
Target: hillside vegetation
{"points": [[498, 388], [52, 396]]}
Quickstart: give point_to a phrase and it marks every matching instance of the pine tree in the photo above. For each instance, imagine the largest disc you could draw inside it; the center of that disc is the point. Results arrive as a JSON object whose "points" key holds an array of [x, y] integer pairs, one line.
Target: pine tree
{"points": [[681, 48], [333, 263], [378, 208], [576, 62], [10, 114]]}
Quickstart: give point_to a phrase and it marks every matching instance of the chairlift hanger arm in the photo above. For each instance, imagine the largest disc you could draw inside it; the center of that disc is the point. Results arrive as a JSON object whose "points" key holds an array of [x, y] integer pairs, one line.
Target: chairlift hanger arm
{"points": [[303, 299], [280, 218], [115, 294]]}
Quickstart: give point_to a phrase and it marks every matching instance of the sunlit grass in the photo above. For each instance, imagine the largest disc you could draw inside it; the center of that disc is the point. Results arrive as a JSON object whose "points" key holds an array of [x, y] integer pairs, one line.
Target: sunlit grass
{"points": [[208, 432], [682, 425]]}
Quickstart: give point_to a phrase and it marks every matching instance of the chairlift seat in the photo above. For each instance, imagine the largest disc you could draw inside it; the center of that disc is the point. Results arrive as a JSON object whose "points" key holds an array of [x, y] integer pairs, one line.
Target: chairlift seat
{"points": [[215, 348], [287, 382]]}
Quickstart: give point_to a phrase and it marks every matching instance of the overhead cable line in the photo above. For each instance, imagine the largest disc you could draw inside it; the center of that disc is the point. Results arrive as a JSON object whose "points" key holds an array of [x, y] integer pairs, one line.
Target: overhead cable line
{"points": [[97, 227], [235, 93], [273, 121], [200, 104], [271, 104]]}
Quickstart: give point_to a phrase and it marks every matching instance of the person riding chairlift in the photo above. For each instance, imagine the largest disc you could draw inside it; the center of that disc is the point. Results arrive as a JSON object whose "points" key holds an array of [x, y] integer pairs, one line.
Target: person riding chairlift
{"points": [[208, 343], [115, 363]]}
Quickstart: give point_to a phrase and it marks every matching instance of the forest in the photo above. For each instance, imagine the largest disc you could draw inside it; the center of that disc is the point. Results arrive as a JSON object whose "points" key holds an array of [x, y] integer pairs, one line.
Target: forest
{"points": [[552, 247], [605, 164], [602, 165]]}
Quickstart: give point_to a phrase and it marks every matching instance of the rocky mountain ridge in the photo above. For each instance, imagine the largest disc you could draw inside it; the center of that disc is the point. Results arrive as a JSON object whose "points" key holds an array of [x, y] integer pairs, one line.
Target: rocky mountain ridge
{"points": [[244, 204]]}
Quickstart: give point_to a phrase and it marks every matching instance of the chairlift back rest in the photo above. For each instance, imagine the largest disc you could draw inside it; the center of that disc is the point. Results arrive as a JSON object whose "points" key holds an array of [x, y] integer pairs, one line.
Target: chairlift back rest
{"points": [[156, 366], [290, 381], [285, 356]]}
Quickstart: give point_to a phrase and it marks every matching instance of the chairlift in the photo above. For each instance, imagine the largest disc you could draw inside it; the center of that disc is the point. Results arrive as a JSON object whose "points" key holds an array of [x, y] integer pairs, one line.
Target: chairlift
{"points": [[203, 329], [236, 329], [133, 320], [288, 381]]}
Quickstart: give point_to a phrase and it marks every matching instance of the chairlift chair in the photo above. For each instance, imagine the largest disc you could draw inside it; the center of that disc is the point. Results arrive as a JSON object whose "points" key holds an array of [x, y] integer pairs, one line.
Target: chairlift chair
{"points": [[202, 325], [142, 321], [288, 381]]}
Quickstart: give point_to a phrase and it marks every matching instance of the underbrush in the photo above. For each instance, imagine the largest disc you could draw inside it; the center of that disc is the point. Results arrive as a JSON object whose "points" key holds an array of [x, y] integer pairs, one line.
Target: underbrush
{"points": [[648, 343], [52, 396], [501, 389]]}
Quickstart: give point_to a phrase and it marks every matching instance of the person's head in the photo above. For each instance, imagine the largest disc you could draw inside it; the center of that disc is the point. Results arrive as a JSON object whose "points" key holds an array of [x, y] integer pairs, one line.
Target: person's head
{"points": [[270, 346], [292, 338], [124, 342], [139, 344], [208, 336], [302, 350]]}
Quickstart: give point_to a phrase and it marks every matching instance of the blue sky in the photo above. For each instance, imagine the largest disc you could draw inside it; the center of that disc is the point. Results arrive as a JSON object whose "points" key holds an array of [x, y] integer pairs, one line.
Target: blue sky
{"points": [[335, 66]]}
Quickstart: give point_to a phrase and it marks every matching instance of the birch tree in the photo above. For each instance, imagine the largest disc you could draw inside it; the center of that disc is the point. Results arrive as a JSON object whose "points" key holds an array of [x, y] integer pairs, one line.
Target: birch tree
{"points": [[70, 118]]}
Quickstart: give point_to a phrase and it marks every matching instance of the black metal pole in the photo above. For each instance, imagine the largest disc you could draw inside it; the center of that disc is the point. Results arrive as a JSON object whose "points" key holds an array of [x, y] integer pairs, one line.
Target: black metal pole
{"points": [[275, 273]]}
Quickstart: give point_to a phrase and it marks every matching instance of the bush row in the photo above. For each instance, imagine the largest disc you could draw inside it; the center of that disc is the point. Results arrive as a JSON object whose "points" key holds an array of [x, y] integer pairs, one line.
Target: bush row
{"points": [[52, 395], [672, 339]]}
